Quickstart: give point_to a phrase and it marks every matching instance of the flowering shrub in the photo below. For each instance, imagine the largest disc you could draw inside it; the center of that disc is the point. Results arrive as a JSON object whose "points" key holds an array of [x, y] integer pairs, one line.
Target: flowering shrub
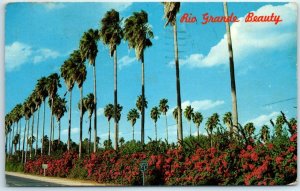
{"points": [[255, 164]]}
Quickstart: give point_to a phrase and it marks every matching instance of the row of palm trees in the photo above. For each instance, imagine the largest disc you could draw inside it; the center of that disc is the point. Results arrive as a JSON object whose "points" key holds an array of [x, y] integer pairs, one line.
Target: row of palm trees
{"points": [[138, 34]]}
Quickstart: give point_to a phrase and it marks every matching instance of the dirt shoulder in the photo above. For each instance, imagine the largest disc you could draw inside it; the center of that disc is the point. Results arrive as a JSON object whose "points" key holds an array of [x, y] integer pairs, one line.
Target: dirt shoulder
{"points": [[57, 180]]}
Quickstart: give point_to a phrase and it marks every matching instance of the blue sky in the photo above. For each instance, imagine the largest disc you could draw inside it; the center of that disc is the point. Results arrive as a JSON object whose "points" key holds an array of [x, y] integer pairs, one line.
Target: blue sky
{"points": [[40, 36]]}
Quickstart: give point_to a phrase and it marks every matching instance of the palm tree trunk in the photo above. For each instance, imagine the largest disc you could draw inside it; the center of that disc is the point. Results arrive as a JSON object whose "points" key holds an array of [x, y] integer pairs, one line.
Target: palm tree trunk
{"points": [[232, 76], [17, 131], [190, 128], [108, 130], [90, 134], [30, 155], [51, 125], [37, 132], [133, 132], [179, 118], [59, 131], [198, 134], [143, 104], [156, 132], [12, 137], [43, 133], [80, 125], [116, 99], [27, 136], [26, 121], [20, 136], [95, 110], [166, 128], [70, 117]]}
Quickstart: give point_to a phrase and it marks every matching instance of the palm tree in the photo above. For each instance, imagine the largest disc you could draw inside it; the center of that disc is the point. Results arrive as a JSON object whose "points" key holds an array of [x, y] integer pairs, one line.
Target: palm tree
{"points": [[16, 141], [197, 120], [80, 73], [232, 76], [227, 120], [83, 109], [211, 124], [88, 49], [249, 129], [138, 33], [188, 113], [68, 74], [59, 109], [32, 107], [164, 107], [111, 34], [27, 114], [119, 110], [53, 83], [89, 104], [132, 116], [37, 101], [279, 125], [42, 92], [264, 133], [155, 115], [109, 113], [170, 11], [122, 141]]}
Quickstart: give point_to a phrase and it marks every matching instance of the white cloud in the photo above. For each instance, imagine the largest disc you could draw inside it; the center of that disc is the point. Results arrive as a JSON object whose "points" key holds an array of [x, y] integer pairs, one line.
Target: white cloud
{"points": [[100, 111], [73, 131], [126, 61], [53, 6], [199, 105], [251, 38], [117, 5], [263, 119], [18, 53], [156, 37], [44, 54]]}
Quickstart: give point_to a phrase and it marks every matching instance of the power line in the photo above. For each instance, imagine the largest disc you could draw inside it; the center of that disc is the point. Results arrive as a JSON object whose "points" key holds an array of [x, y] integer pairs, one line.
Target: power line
{"points": [[284, 100]]}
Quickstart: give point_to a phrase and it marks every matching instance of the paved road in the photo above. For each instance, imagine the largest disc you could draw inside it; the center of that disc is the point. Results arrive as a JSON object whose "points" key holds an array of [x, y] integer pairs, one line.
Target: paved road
{"points": [[14, 181]]}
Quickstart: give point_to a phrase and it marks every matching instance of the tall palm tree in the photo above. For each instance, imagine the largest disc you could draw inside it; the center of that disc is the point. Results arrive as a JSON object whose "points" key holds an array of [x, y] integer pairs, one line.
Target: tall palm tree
{"points": [[37, 101], [59, 109], [109, 113], [16, 141], [164, 107], [27, 114], [88, 49], [89, 104], [227, 120], [155, 115], [197, 120], [41, 88], [170, 11], [188, 113], [232, 76], [111, 34], [53, 83], [138, 33], [83, 109], [33, 107], [80, 73], [132, 116], [211, 124], [68, 74], [264, 133], [249, 130]]}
